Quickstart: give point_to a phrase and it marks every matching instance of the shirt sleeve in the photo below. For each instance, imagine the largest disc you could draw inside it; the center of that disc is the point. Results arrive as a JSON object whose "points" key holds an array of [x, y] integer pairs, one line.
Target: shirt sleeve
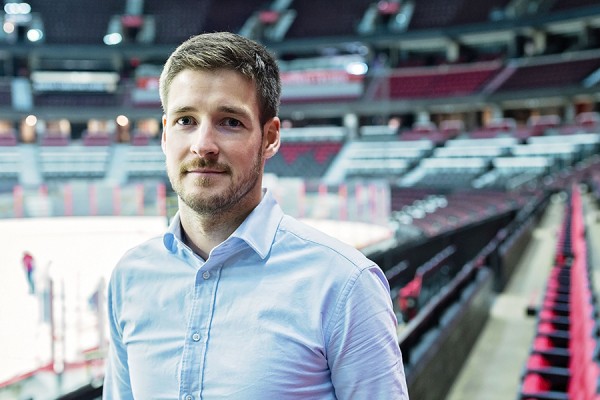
{"points": [[117, 385], [363, 351]]}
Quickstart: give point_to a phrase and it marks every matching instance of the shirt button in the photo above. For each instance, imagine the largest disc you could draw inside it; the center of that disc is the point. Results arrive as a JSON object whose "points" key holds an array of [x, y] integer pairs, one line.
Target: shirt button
{"points": [[196, 337], [189, 397], [206, 274]]}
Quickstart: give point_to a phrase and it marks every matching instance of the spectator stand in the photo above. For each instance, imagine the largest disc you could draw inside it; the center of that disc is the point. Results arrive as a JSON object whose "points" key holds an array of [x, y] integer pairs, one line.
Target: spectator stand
{"points": [[97, 138], [563, 361], [10, 166], [585, 144], [430, 278], [585, 122], [448, 173], [52, 137], [74, 161], [8, 138], [444, 332], [448, 129], [383, 159], [307, 152], [496, 128], [510, 173], [540, 125], [143, 162]]}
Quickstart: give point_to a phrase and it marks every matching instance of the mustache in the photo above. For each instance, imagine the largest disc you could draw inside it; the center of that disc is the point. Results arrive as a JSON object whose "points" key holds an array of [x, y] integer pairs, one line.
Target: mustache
{"points": [[201, 163]]}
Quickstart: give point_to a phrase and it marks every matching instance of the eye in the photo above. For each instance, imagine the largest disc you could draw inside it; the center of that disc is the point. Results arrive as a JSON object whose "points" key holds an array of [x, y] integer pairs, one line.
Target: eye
{"points": [[185, 121], [232, 123]]}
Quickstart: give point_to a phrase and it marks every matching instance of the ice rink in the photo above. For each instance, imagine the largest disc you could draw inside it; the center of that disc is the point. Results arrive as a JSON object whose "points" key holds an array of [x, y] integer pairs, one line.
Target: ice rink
{"points": [[77, 253]]}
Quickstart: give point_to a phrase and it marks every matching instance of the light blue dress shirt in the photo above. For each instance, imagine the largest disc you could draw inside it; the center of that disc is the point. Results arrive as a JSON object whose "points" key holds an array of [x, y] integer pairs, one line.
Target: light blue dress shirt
{"points": [[279, 311]]}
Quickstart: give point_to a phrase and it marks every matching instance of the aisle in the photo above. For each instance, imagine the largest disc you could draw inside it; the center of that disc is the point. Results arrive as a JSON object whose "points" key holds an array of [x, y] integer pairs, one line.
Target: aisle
{"points": [[493, 369]]}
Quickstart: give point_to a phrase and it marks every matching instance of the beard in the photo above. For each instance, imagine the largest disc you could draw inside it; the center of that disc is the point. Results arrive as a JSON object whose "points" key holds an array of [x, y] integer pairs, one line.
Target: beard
{"points": [[199, 197]]}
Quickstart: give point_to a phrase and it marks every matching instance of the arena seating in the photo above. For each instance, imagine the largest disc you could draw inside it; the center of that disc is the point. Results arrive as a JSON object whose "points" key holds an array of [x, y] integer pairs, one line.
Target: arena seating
{"points": [[74, 161], [303, 159], [175, 22], [6, 94], [446, 173], [483, 152], [384, 159], [448, 129], [71, 24], [51, 138], [435, 214], [97, 138], [405, 197], [326, 18], [440, 13], [560, 155], [541, 124], [584, 144], [428, 164], [436, 82], [495, 128], [144, 162], [561, 5], [554, 73], [10, 164], [429, 279], [77, 100], [141, 138], [8, 138], [563, 362], [513, 172]]}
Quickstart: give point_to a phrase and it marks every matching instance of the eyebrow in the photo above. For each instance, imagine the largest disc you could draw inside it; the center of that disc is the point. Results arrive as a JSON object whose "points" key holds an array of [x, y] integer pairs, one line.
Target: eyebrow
{"points": [[238, 111], [228, 109], [183, 110]]}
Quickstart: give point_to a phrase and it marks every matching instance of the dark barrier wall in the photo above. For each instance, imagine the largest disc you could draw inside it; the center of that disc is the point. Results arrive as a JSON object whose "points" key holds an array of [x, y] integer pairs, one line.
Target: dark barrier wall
{"points": [[469, 240], [434, 363]]}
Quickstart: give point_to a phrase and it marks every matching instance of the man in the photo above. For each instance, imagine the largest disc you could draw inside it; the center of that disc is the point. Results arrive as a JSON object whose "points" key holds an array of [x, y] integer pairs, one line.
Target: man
{"points": [[238, 300]]}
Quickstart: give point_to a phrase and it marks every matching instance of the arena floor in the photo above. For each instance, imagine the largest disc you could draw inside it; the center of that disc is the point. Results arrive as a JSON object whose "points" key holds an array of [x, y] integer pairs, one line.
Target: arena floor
{"points": [[78, 253]]}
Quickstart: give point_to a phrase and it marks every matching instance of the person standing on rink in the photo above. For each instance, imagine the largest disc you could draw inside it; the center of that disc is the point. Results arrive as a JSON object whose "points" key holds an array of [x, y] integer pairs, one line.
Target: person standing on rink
{"points": [[238, 300], [29, 266]]}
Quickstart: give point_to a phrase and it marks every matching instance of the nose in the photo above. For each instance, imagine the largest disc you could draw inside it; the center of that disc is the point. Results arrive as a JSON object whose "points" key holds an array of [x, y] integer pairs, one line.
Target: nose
{"points": [[204, 143]]}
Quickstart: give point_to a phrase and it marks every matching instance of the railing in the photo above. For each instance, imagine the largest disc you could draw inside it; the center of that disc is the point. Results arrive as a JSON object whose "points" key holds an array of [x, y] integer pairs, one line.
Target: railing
{"points": [[84, 199]]}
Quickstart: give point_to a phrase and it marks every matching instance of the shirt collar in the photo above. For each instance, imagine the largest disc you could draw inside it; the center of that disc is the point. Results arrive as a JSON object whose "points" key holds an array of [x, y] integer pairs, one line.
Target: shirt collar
{"points": [[258, 229], [173, 234]]}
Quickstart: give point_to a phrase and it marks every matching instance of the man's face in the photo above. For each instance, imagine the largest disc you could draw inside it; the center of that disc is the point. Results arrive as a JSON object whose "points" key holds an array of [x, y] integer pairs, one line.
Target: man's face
{"points": [[213, 141]]}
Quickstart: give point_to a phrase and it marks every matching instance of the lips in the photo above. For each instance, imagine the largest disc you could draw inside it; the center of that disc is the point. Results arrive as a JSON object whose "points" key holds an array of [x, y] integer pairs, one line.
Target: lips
{"points": [[206, 171], [199, 168]]}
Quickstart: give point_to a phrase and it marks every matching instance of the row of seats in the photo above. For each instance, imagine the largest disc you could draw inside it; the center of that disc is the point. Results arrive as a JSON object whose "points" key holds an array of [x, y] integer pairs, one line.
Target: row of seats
{"points": [[435, 214], [73, 162], [460, 163], [429, 279], [563, 362], [535, 127], [303, 159], [176, 23], [437, 83], [500, 163], [489, 77]]}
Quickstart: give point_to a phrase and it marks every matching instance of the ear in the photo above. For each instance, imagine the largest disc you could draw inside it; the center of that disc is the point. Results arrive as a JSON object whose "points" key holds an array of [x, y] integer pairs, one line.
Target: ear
{"points": [[163, 140], [271, 137]]}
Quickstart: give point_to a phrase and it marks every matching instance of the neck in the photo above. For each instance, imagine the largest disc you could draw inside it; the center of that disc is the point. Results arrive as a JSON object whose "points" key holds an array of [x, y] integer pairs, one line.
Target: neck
{"points": [[203, 232]]}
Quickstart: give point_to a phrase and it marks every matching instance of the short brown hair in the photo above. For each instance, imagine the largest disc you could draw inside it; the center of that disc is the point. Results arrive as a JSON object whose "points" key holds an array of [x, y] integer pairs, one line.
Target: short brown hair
{"points": [[225, 50]]}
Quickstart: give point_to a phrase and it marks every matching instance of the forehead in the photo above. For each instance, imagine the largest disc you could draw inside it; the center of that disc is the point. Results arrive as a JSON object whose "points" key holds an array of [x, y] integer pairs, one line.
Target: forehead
{"points": [[210, 85]]}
